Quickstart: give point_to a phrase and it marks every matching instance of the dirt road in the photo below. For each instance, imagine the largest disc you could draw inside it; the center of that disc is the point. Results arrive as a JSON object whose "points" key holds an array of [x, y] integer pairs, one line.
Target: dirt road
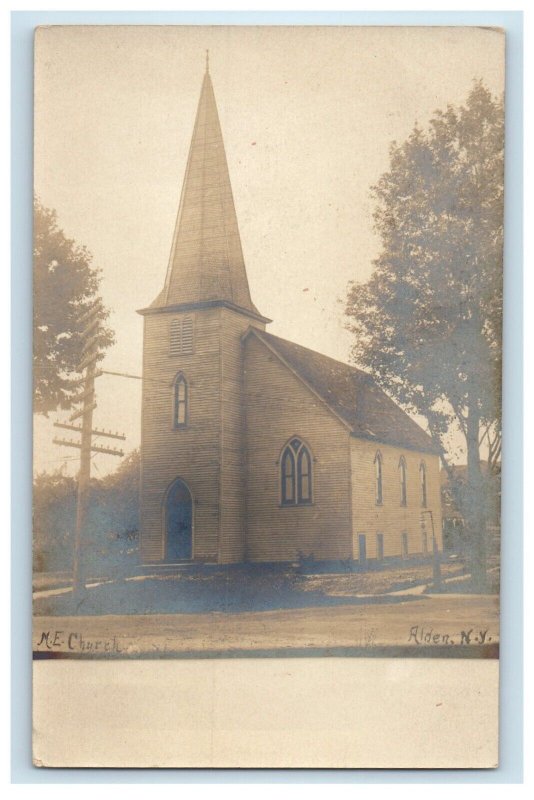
{"points": [[451, 625]]}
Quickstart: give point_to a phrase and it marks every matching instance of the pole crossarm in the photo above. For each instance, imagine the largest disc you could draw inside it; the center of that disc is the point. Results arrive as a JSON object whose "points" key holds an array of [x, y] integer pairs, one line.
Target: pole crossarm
{"points": [[95, 431], [110, 451], [67, 443]]}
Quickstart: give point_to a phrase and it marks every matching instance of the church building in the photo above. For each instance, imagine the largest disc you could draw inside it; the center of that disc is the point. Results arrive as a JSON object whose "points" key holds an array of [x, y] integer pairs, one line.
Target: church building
{"points": [[254, 448]]}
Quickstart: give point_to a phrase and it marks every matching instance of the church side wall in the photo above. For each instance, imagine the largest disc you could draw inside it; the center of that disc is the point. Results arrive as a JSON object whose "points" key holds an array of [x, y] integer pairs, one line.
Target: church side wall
{"points": [[232, 478], [191, 453], [278, 407], [391, 518]]}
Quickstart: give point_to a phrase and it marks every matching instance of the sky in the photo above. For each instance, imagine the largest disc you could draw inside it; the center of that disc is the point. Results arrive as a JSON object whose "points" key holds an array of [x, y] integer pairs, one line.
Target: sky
{"points": [[307, 114]]}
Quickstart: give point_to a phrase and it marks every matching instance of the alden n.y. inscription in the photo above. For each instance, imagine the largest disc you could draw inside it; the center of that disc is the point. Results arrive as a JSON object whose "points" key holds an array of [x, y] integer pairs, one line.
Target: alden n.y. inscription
{"points": [[421, 635]]}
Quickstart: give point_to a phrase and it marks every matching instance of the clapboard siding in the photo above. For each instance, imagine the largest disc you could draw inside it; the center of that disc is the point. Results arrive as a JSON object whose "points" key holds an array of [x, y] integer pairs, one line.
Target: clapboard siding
{"points": [[191, 453], [208, 454], [391, 518], [244, 405], [279, 406], [232, 480]]}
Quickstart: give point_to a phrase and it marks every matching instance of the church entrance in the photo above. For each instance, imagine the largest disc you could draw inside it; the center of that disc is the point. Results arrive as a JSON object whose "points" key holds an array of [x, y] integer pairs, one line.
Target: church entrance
{"points": [[179, 522]]}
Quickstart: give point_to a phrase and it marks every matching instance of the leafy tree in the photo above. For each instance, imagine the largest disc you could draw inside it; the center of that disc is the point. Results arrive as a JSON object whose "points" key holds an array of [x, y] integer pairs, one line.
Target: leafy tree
{"points": [[428, 322], [111, 541], [65, 286], [113, 520], [54, 518]]}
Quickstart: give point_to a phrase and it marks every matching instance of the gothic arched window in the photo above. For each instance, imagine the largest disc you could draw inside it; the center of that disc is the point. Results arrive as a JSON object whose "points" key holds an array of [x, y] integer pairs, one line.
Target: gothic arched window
{"points": [[378, 480], [422, 482], [304, 475], [402, 481], [296, 474], [288, 477], [180, 401]]}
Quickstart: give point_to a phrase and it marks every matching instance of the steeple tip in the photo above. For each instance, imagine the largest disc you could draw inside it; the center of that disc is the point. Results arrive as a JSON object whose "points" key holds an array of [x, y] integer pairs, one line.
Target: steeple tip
{"points": [[206, 262], [207, 62]]}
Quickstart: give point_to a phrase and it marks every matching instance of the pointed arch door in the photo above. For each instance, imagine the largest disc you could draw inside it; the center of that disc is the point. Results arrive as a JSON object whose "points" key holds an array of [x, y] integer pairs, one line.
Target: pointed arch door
{"points": [[179, 522]]}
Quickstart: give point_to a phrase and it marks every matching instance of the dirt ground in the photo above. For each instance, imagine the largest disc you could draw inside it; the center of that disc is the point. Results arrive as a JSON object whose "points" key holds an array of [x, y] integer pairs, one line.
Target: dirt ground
{"points": [[431, 622], [247, 612]]}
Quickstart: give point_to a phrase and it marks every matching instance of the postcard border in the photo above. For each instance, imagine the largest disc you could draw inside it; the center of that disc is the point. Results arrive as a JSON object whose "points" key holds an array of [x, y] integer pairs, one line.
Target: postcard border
{"points": [[23, 24]]}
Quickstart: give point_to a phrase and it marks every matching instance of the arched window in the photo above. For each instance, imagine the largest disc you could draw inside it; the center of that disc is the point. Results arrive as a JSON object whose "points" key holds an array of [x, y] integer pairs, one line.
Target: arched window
{"points": [[288, 477], [296, 474], [402, 481], [422, 482], [304, 470], [180, 401], [378, 480]]}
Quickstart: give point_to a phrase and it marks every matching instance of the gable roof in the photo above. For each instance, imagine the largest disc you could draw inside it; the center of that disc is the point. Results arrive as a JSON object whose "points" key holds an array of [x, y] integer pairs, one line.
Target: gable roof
{"points": [[351, 394]]}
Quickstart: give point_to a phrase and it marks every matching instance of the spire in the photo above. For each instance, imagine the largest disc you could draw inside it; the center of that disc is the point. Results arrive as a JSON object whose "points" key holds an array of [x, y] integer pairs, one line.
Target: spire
{"points": [[206, 261]]}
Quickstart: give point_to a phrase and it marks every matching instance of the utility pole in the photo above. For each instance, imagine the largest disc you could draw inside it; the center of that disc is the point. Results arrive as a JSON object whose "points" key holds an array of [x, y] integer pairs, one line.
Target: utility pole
{"points": [[90, 356], [436, 566]]}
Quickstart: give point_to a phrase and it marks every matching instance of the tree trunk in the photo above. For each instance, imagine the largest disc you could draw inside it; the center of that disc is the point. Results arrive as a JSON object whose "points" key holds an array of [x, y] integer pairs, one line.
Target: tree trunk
{"points": [[475, 501]]}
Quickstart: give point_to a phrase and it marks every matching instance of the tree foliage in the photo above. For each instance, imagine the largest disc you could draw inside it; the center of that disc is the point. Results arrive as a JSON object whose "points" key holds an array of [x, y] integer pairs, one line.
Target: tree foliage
{"points": [[65, 286], [428, 322], [111, 539]]}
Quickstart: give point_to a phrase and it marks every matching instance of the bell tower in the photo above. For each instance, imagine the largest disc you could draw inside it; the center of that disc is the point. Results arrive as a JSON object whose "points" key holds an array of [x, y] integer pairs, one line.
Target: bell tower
{"points": [[192, 448]]}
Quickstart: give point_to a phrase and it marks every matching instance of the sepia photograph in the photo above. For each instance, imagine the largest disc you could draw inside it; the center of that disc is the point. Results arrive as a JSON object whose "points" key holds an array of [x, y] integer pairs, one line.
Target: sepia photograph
{"points": [[267, 342]]}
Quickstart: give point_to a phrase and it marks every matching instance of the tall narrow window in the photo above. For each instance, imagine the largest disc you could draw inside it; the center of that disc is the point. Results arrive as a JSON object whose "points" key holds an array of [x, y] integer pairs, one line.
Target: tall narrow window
{"points": [[422, 480], [424, 541], [296, 474], [180, 402], [402, 481], [362, 548], [288, 478], [379, 546], [181, 336], [304, 476], [378, 479]]}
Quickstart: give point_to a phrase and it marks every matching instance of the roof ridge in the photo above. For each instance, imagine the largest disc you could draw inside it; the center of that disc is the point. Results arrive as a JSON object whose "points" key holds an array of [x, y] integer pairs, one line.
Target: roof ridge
{"points": [[352, 394], [317, 353]]}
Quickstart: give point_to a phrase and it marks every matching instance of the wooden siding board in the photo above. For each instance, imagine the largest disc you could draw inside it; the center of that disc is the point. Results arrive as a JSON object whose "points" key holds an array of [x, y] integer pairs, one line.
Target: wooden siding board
{"points": [[279, 406], [208, 452], [232, 486], [191, 453], [390, 518], [244, 404]]}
